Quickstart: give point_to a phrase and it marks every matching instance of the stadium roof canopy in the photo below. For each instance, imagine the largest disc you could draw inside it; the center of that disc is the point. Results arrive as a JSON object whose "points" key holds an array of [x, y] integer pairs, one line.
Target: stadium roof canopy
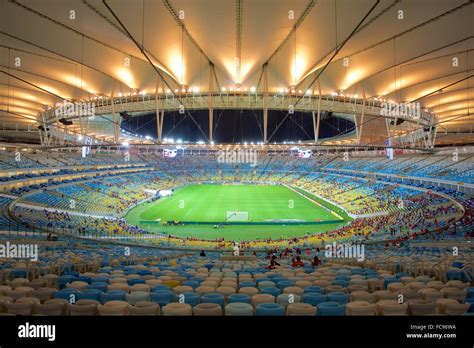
{"points": [[79, 49]]}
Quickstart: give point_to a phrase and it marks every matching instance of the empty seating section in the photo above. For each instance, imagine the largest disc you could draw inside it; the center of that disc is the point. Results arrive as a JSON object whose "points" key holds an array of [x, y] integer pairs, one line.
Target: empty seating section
{"points": [[79, 278], [458, 167]]}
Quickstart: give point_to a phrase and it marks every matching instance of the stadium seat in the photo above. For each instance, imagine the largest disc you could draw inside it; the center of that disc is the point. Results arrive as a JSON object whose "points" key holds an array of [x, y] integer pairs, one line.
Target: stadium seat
{"points": [[213, 298], [300, 309], [162, 297], [330, 309], [177, 309], [208, 309], [239, 309], [269, 309]]}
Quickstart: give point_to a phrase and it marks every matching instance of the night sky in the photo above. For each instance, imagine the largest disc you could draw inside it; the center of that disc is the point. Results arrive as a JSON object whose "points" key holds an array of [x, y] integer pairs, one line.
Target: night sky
{"points": [[238, 126]]}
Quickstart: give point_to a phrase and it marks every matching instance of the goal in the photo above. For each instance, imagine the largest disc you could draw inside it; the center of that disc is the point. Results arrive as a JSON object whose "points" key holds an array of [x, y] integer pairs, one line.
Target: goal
{"points": [[237, 216]]}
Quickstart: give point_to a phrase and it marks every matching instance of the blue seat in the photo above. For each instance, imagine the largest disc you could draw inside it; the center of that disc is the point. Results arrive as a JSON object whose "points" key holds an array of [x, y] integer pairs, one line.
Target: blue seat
{"points": [[192, 283], [277, 279], [390, 280], [454, 274], [470, 293], [343, 277], [246, 284], [190, 298], [213, 298], [160, 287], [100, 280], [273, 276], [239, 298], [285, 283], [112, 295], [67, 270], [314, 298], [269, 309], [84, 279], [134, 281], [162, 297], [338, 297], [271, 291], [343, 283], [314, 288], [143, 272], [185, 274], [264, 279], [66, 294], [102, 286], [18, 273], [65, 279], [331, 309], [90, 294], [104, 269]]}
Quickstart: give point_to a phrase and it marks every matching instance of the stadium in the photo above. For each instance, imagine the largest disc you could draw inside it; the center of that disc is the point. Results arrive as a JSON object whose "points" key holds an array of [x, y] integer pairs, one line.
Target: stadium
{"points": [[236, 158]]}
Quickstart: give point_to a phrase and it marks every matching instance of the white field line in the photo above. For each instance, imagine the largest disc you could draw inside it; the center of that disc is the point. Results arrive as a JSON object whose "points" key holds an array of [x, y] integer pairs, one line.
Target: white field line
{"points": [[315, 202]]}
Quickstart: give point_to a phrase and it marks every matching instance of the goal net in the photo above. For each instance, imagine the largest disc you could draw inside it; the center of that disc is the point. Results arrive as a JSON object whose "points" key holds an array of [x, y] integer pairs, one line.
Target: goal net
{"points": [[237, 216]]}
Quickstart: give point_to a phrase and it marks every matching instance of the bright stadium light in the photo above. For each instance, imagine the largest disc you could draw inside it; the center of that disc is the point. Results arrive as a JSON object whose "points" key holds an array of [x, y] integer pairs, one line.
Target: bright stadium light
{"points": [[179, 141], [125, 144], [147, 137], [253, 89]]}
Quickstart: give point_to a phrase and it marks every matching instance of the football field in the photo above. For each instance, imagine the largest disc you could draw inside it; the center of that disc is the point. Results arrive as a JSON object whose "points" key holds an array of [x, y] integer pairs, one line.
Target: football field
{"points": [[201, 206]]}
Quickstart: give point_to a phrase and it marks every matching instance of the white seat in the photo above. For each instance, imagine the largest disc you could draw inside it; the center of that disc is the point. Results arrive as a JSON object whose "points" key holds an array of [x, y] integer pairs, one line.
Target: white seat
{"points": [[239, 309]]}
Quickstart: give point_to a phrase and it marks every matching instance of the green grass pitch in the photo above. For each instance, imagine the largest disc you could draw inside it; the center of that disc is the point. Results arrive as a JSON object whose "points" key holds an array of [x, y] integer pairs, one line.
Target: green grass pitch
{"points": [[210, 202]]}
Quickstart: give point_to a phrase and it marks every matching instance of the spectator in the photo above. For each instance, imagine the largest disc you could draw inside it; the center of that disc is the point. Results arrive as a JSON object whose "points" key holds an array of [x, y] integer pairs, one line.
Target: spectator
{"points": [[316, 261], [297, 262]]}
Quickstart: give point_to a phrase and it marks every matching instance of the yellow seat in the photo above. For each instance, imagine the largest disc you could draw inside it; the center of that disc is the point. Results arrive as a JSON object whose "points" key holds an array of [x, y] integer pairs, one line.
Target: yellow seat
{"points": [[172, 283]]}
